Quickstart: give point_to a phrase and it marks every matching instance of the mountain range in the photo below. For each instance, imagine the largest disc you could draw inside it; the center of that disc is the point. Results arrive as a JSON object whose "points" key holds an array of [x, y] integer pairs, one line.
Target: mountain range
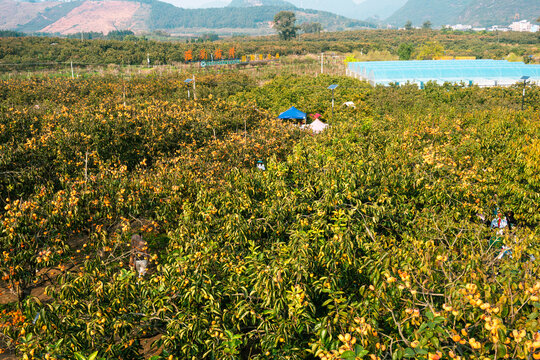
{"points": [[379, 9], [254, 16], [398, 12], [471, 12], [438, 12], [251, 16]]}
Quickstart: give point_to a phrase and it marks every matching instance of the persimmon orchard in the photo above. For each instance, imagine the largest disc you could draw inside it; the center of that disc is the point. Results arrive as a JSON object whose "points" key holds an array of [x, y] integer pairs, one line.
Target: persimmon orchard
{"points": [[363, 241]]}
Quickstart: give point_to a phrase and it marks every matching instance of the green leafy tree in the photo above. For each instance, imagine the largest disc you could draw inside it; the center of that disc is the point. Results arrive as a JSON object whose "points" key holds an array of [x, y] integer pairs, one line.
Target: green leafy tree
{"points": [[430, 50], [119, 34], [446, 29], [405, 51], [10, 33], [408, 25], [427, 25], [285, 24]]}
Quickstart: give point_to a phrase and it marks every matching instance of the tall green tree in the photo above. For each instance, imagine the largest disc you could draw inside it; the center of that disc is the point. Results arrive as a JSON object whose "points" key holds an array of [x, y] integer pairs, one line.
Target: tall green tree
{"points": [[426, 25], [430, 50], [285, 24], [408, 25], [405, 51]]}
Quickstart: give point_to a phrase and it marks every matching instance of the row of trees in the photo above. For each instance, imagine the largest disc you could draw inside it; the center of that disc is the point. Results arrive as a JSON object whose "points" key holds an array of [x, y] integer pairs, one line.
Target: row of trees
{"points": [[37, 49], [426, 25], [285, 24]]}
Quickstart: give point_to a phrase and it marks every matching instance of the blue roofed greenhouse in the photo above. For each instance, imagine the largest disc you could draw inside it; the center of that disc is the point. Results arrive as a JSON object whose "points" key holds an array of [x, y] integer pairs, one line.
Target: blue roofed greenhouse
{"points": [[471, 72]]}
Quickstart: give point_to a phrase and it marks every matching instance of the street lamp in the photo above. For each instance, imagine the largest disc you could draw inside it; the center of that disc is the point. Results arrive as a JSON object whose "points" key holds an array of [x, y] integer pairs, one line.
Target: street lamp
{"points": [[333, 87], [524, 78], [187, 82]]}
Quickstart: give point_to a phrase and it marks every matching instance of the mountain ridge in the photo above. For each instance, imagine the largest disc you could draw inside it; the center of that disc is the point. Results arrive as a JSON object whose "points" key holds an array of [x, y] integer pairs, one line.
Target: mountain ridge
{"points": [[147, 15], [472, 12], [361, 11]]}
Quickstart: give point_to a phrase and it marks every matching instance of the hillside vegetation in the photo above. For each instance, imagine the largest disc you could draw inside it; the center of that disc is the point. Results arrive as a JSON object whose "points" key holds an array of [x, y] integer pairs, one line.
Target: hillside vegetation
{"points": [[166, 16], [147, 15], [368, 9], [473, 12]]}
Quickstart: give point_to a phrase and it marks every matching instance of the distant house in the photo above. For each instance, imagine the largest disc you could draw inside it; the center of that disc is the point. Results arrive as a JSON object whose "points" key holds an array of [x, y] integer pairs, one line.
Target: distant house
{"points": [[461, 27], [523, 26], [499, 28]]}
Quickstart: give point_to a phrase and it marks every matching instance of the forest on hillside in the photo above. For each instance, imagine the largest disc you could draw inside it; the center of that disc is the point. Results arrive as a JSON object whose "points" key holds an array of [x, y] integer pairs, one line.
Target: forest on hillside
{"points": [[167, 16]]}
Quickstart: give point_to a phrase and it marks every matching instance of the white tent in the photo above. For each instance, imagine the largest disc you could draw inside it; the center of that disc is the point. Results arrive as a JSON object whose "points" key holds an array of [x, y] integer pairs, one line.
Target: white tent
{"points": [[317, 126]]}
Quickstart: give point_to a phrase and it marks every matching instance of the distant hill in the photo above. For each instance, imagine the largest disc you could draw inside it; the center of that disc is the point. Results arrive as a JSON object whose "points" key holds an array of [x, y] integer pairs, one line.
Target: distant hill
{"points": [[378, 8], [147, 15], [472, 12], [439, 12], [49, 16], [166, 16], [497, 12], [349, 8], [14, 13]]}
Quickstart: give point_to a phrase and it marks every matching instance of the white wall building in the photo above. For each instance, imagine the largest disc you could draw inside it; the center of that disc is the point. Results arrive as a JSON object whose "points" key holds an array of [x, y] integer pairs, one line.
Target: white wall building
{"points": [[461, 27], [523, 26], [499, 28]]}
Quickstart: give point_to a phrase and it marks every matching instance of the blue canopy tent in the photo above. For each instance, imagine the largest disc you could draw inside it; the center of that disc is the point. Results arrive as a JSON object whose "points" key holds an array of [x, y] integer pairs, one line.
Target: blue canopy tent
{"points": [[293, 113]]}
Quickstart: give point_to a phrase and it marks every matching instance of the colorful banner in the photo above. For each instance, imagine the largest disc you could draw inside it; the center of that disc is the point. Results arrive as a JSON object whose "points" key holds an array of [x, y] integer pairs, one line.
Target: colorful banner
{"points": [[220, 62], [215, 57]]}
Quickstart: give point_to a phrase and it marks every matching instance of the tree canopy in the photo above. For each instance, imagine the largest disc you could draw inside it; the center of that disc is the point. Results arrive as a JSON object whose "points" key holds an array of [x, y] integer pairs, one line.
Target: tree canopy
{"points": [[405, 51], [285, 24]]}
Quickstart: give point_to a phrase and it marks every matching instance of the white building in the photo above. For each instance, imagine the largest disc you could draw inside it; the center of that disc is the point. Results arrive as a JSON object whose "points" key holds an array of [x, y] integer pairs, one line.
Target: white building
{"points": [[523, 26], [499, 28], [461, 27]]}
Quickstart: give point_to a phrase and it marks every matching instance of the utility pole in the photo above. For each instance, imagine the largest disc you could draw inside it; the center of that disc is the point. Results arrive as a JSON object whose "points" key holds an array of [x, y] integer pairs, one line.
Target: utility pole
{"points": [[86, 169], [194, 93], [524, 78], [71, 69], [333, 87], [148, 59], [332, 103], [322, 63]]}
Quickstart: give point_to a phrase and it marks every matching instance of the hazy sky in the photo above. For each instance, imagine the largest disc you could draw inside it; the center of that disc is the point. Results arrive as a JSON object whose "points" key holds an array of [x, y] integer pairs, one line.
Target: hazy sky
{"points": [[193, 3], [205, 3]]}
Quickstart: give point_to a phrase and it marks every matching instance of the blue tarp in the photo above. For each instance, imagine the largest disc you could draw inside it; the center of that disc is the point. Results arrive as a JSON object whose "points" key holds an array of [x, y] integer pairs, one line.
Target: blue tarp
{"points": [[292, 113]]}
